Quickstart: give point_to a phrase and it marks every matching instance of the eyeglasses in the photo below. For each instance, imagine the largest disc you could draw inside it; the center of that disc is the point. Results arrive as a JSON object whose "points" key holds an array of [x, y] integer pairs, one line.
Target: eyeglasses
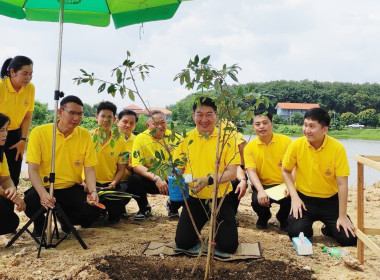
{"points": [[73, 113], [207, 115]]}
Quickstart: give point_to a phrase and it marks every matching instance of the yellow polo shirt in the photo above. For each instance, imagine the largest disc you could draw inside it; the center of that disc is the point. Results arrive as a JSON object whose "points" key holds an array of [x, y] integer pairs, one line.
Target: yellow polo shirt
{"points": [[236, 134], [108, 158], [4, 170], [316, 170], [200, 158], [15, 104], [267, 159], [129, 143], [71, 154], [145, 146]]}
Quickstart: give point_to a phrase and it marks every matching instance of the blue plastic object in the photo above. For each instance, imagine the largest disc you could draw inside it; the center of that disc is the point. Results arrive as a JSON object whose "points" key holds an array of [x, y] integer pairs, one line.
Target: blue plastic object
{"points": [[175, 193]]}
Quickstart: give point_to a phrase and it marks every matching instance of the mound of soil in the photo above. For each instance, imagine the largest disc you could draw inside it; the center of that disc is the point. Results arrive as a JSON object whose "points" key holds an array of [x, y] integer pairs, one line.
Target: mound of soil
{"points": [[140, 267]]}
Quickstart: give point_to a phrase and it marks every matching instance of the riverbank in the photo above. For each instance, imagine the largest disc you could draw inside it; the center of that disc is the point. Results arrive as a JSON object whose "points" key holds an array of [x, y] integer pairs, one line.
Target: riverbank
{"points": [[128, 239]]}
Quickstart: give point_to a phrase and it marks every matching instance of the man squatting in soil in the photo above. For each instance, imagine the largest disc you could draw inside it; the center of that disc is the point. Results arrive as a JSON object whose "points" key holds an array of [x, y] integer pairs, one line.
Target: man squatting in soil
{"points": [[74, 151], [320, 189], [263, 160], [198, 152]]}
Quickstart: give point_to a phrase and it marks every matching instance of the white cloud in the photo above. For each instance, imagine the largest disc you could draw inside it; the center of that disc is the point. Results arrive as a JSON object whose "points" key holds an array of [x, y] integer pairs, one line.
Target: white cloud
{"points": [[271, 39]]}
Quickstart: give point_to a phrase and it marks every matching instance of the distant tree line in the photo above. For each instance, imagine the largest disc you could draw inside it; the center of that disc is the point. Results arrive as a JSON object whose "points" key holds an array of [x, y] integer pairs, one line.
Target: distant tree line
{"points": [[347, 102], [42, 115]]}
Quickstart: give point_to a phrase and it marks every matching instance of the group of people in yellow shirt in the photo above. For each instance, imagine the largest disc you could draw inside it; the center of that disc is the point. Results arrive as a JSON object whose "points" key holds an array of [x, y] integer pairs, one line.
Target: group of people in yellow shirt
{"points": [[314, 168]]}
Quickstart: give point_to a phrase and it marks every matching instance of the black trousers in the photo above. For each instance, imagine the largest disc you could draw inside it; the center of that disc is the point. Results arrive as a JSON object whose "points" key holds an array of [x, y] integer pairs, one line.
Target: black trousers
{"points": [[227, 235], [72, 201], [114, 207], [325, 210], [8, 219], [264, 213], [139, 185], [14, 165], [234, 196]]}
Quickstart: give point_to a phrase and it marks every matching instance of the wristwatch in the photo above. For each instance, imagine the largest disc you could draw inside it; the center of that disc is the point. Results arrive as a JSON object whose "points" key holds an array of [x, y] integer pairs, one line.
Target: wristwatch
{"points": [[24, 139]]}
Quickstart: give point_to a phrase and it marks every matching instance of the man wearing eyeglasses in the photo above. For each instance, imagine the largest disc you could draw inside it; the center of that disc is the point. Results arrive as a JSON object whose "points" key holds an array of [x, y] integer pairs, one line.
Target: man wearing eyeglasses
{"points": [[73, 152]]}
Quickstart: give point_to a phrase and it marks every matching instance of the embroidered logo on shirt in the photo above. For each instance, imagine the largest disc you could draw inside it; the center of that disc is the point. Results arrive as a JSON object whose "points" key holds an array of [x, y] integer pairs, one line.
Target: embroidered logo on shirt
{"points": [[328, 172], [77, 162], [112, 153], [26, 102], [279, 164]]}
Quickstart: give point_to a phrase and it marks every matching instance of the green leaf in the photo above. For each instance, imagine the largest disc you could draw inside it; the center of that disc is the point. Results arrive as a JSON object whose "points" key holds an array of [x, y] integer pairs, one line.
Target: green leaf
{"points": [[190, 142], [196, 60], [128, 53], [157, 154], [119, 76], [205, 60], [131, 95], [102, 88], [112, 143]]}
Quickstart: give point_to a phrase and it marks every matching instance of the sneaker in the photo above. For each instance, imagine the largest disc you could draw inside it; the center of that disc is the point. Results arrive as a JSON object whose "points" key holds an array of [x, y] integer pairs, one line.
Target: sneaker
{"points": [[326, 231], [125, 215], [171, 212], [143, 214], [261, 224]]}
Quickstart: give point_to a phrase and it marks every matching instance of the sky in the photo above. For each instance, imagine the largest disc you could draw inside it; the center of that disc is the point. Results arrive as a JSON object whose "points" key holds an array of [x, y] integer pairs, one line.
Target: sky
{"points": [[324, 40]]}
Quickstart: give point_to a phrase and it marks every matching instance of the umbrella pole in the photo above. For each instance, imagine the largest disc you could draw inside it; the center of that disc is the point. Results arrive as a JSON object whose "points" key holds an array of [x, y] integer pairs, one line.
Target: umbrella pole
{"points": [[57, 94]]}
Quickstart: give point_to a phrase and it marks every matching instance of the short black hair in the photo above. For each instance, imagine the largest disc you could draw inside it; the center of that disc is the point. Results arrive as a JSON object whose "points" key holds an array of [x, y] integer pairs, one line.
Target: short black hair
{"points": [[15, 63], [263, 113], [318, 114], [128, 112], [206, 101], [71, 98], [3, 120], [106, 105]]}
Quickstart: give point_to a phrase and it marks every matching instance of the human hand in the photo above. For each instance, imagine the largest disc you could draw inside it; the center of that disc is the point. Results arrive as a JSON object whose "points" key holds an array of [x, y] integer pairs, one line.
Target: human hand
{"points": [[20, 146], [296, 207], [162, 186], [200, 183], [47, 201], [11, 193], [241, 188], [20, 203], [263, 198], [94, 195], [346, 224]]}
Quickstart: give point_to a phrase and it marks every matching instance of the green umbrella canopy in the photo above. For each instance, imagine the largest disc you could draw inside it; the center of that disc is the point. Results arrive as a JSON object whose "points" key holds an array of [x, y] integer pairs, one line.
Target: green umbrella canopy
{"points": [[91, 12]]}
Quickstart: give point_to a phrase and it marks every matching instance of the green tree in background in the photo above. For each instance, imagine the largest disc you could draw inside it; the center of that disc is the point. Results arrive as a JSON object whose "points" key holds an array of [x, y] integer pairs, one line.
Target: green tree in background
{"points": [[88, 110], [279, 120], [41, 114], [348, 118], [297, 119], [368, 117]]}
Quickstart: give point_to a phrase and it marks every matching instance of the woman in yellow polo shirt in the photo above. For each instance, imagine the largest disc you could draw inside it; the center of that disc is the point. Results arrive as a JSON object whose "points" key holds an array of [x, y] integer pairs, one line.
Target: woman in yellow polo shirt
{"points": [[17, 102], [8, 219]]}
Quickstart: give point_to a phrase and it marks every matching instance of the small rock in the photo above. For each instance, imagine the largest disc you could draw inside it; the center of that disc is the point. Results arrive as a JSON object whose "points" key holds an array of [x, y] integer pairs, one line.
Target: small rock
{"points": [[306, 267], [314, 276], [15, 262], [37, 272], [104, 262], [84, 275]]}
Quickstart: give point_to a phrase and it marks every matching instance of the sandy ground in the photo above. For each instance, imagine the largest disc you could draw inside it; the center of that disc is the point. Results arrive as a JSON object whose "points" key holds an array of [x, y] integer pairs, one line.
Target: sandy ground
{"points": [[70, 261]]}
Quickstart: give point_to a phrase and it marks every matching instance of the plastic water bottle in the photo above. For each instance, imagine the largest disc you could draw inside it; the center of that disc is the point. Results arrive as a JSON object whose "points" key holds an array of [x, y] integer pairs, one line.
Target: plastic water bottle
{"points": [[334, 252]]}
